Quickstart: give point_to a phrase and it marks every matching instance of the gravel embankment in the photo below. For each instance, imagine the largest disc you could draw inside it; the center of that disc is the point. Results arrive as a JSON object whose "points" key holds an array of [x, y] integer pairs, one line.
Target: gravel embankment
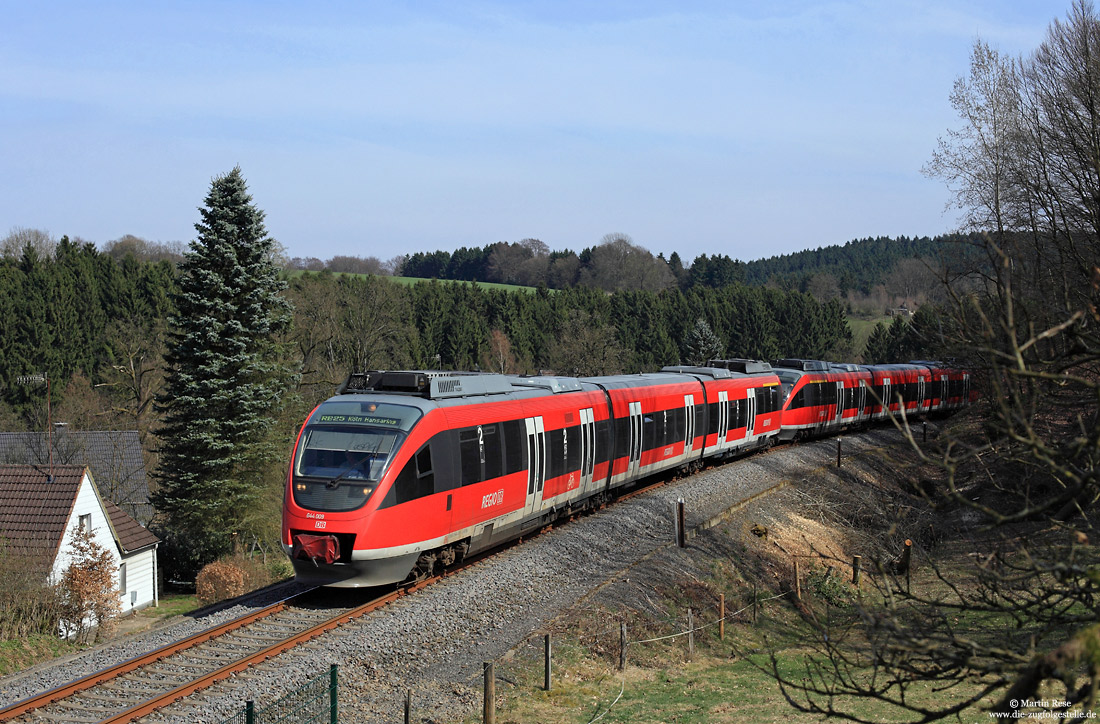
{"points": [[433, 642]]}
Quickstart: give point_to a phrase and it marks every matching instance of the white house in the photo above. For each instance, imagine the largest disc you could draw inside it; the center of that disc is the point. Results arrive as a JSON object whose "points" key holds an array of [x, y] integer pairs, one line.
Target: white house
{"points": [[40, 510]]}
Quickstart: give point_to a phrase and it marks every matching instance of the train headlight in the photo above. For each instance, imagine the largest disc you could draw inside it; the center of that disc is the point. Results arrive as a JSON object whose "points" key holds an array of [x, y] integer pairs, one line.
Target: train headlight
{"points": [[300, 487]]}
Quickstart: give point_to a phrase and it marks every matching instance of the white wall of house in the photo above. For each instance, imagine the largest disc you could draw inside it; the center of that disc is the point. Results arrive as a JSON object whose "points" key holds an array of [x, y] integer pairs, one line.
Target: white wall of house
{"points": [[140, 583], [87, 504], [140, 588]]}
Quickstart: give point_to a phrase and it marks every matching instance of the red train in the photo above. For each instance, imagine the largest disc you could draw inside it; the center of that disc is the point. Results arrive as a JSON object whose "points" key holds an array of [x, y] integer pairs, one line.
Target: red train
{"points": [[402, 471]]}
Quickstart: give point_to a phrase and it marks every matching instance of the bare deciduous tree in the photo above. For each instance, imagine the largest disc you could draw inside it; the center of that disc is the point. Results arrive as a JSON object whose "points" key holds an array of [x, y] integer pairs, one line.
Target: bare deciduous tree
{"points": [[1021, 621]]}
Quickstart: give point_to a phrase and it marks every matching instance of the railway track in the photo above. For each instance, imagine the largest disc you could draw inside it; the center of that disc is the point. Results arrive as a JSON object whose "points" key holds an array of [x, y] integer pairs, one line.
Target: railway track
{"points": [[144, 684]]}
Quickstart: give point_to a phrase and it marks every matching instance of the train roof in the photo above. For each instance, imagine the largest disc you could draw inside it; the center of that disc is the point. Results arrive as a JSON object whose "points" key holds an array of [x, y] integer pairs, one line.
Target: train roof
{"points": [[743, 365], [802, 365]]}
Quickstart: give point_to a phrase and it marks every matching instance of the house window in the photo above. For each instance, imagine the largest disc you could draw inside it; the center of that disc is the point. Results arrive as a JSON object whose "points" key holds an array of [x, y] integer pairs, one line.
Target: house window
{"points": [[122, 579], [86, 522]]}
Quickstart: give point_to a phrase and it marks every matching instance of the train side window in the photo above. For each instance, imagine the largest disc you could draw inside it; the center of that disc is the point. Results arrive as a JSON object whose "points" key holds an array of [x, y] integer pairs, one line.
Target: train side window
{"points": [[555, 453], [700, 419], [470, 455], [494, 452], [678, 424], [603, 441], [572, 448], [649, 431], [515, 446], [622, 437]]}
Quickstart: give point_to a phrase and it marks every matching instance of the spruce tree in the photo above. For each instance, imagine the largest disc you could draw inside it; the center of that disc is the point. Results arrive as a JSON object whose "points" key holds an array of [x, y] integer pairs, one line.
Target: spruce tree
{"points": [[224, 379], [701, 344]]}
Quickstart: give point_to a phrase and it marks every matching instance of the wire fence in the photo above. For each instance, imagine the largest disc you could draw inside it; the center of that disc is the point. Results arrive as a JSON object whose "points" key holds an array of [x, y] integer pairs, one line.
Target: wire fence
{"points": [[314, 702]]}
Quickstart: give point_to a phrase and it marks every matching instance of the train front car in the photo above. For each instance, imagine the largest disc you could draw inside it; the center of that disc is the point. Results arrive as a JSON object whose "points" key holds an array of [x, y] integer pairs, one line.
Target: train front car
{"points": [[345, 458]]}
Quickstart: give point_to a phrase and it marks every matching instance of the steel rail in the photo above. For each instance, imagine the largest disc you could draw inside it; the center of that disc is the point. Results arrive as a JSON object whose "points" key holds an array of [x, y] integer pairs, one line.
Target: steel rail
{"points": [[77, 685], [157, 702]]}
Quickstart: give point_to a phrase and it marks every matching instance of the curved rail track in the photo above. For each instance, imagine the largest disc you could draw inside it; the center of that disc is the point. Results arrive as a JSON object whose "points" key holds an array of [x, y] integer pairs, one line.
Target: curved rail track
{"points": [[140, 686]]}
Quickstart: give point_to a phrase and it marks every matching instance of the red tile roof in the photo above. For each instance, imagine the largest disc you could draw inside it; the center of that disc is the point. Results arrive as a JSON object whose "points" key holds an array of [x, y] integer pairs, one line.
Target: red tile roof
{"points": [[34, 510], [129, 534]]}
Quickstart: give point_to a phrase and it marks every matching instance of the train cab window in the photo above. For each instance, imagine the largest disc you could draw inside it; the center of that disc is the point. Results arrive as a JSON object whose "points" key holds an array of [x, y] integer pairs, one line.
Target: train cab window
{"points": [[416, 479]]}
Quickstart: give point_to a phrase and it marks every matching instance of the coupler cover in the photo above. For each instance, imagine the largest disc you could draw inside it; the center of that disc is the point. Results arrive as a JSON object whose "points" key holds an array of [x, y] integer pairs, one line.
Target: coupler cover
{"points": [[316, 548]]}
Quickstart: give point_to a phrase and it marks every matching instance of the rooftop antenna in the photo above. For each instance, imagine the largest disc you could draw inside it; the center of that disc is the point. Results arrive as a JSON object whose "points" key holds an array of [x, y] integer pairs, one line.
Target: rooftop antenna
{"points": [[37, 380]]}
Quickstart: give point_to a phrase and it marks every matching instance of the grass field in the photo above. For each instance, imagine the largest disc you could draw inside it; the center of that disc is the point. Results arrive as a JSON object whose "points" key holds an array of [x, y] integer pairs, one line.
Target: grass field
{"points": [[409, 281]]}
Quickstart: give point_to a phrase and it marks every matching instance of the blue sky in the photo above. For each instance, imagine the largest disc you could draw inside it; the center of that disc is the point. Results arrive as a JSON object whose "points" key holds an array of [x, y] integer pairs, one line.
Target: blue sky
{"points": [[375, 129]]}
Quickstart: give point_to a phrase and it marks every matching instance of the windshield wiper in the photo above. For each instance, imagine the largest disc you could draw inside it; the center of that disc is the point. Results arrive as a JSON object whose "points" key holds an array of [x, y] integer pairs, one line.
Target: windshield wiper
{"points": [[335, 482]]}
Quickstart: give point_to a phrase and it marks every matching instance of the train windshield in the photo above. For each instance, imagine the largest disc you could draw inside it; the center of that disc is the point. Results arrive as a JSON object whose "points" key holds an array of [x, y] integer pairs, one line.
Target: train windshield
{"points": [[787, 381], [342, 453], [352, 440]]}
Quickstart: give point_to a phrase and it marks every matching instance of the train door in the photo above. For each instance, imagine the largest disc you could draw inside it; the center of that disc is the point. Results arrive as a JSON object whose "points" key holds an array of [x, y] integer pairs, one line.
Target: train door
{"points": [[689, 426], [886, 396], [588, 446], [750, 419], [839, 401], [723, 418], [861, 399], [634, 463], [536, 463]]}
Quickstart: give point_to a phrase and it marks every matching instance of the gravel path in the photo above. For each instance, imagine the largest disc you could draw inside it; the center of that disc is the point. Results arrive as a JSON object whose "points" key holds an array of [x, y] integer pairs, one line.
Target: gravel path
{"points": [[433, 642]]}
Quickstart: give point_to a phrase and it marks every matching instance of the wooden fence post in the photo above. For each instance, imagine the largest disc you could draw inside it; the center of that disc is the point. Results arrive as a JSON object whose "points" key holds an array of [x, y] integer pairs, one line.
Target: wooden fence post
{"points": [[681, 533], [908, 563], [856, 562], [546, 676], [622, 646], [691, 635], [488, 709], [721, 617], [797, 582], [754, 602]]}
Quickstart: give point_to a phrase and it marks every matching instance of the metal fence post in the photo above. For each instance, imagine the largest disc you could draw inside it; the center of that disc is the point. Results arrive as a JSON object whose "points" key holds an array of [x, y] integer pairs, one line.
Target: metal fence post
{"points": [[546, 676], [250, 712], [333, 714]]}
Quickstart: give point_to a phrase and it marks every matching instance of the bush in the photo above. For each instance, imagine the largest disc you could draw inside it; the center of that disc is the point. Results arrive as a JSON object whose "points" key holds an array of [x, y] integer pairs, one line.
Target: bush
{"points": [[88, 590], [220, 580], [234, 576], [28, 603]]}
